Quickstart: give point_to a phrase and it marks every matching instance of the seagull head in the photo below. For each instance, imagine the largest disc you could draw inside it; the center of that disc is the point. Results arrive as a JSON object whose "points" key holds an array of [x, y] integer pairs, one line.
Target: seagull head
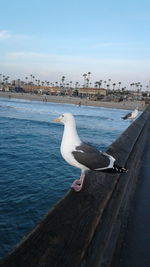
{"points": [[65, 118]]}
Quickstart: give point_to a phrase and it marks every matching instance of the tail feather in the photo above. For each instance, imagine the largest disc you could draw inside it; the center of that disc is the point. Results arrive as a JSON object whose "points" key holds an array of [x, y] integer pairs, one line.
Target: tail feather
{"points": [[115, 169]]}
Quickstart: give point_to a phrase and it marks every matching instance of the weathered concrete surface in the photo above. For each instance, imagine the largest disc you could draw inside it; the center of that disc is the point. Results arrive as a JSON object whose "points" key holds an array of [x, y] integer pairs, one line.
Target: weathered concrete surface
{"points": [[83, 228], [136, 244]]}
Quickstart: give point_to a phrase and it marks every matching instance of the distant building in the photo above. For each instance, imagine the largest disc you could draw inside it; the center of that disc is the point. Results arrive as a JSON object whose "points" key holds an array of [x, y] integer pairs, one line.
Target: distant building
{"points": [[137, 93], [92, 92]]}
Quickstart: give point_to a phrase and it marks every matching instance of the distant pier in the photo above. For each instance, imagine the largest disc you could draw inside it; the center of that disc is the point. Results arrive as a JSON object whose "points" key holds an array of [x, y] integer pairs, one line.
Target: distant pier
{"points": [[85, 229]]}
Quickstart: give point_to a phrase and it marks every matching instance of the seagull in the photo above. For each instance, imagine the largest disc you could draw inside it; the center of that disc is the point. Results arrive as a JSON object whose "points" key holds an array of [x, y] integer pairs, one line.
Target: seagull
{"points": [[131, 115], [82, 155]]}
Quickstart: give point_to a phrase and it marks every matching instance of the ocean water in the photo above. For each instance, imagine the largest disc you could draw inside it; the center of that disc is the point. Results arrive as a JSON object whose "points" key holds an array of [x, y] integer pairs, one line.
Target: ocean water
{"points": [[33, 175]]}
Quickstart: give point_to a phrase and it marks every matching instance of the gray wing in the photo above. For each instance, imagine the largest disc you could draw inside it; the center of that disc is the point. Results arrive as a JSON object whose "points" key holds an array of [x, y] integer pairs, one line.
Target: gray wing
{"points": [[90, 157]]}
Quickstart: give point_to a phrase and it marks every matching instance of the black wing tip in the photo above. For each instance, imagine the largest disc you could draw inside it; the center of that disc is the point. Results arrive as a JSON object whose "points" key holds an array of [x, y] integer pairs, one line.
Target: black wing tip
{"points": [[125, 117], [115, 169], [119, 169], [124, 170]]}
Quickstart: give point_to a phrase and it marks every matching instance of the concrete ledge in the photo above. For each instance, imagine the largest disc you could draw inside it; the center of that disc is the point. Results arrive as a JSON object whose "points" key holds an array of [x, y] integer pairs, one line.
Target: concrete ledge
{"points": [[83, 228]]}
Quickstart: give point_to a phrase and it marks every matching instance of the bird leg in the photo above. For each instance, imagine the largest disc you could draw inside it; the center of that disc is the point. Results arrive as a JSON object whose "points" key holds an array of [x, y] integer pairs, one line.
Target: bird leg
{"points": [[77, 184]]}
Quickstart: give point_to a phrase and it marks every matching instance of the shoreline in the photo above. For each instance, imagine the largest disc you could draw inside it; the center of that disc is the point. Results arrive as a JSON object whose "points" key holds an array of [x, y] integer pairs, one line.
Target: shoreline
{"points": [[127, 105]]}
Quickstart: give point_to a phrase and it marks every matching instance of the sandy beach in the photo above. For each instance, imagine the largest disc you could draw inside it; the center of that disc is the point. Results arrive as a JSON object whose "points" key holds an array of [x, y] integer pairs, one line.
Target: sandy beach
{"points": [[128, 105]]}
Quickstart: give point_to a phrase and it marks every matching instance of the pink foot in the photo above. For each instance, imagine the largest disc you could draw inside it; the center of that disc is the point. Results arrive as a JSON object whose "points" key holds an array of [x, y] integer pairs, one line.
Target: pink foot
{"points": [[76, 185]]}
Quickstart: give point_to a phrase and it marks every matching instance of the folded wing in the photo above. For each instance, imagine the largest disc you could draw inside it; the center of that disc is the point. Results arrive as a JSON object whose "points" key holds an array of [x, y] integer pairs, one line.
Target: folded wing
{"points": [[91, 157]]}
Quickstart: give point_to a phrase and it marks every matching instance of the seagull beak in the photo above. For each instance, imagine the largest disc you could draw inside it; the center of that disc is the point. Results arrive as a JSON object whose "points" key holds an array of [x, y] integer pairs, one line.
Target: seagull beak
{"points": [[57, 119]]}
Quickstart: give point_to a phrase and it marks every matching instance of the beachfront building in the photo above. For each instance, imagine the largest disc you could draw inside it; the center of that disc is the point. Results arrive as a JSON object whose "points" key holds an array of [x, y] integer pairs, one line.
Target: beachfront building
{"points": [[20, 86], [92, 93], [45, 90]]}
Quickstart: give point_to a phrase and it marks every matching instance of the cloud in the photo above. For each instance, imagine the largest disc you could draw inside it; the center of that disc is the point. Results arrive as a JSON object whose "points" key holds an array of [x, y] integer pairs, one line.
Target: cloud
{"points": [[110, 44], [44, 57], [4, 35], [67, 60]]}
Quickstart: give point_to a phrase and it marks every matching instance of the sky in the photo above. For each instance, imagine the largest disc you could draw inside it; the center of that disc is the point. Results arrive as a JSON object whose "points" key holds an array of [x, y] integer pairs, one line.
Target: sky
{"points": [[50, 39]]}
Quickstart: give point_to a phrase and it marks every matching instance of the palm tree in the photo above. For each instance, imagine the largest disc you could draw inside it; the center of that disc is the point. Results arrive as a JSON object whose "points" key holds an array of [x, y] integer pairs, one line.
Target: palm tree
{"points": [[119, 85], [133, 84], [88, 77], [18, 82], [147, 90], [139, 83], [63, 79], [89, 73], [31, 78], [26, 79], [3, 78], [109, 80], [6, 79], [70, 84], [105, 83], [137, 86], [98, 83], [84, 75], [87, 82], [114, 85], [76, 85]]}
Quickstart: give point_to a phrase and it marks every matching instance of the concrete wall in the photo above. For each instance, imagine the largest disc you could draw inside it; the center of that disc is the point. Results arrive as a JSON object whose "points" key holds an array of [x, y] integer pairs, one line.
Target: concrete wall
{"points": [[84, 228]]}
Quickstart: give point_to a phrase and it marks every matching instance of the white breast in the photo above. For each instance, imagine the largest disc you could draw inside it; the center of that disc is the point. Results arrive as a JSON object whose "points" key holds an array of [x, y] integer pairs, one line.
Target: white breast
{"points": [[69, 142]]}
